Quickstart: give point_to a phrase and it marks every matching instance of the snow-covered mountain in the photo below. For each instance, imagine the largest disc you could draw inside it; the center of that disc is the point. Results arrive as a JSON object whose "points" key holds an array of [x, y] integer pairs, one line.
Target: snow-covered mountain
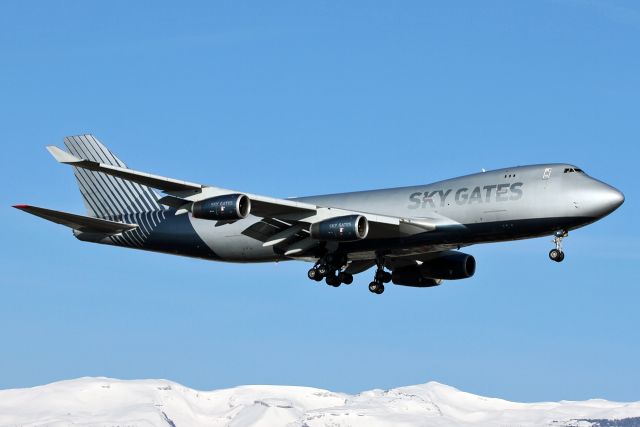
{"points": [[109, 402]]}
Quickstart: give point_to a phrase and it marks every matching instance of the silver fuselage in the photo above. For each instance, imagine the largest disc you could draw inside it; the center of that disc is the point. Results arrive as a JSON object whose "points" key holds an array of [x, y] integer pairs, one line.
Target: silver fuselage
{"points": [[500, 205]]}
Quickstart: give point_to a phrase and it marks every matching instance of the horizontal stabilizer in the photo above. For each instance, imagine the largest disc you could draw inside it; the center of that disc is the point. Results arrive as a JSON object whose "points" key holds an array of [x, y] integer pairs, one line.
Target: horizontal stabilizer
{"points": [[78, 222], [155, 181]]}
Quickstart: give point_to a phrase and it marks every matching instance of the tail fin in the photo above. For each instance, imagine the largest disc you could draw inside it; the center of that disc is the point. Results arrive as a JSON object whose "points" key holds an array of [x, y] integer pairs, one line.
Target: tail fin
{"points": [[107, 196]]}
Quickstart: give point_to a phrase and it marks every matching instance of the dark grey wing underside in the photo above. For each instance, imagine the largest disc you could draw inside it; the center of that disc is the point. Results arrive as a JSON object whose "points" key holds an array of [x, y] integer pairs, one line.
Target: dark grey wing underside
{"points": [[78, 222]]}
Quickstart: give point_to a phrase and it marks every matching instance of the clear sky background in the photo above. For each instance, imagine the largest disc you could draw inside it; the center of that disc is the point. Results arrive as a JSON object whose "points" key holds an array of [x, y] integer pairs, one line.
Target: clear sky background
{"points": [[301, 98]]}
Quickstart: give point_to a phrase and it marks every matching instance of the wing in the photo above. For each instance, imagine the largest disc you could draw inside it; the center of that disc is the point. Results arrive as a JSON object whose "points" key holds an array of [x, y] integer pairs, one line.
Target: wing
{"points": [[285, 223], [78, 222]]}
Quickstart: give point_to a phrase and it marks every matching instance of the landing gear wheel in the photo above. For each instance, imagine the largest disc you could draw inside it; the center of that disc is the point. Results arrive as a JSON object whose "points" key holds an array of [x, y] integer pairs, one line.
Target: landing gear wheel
{"points": [[373, 287], [313, 274], [556, 255], [333, 281], [376, 287], [345, 278], [323, 269]]}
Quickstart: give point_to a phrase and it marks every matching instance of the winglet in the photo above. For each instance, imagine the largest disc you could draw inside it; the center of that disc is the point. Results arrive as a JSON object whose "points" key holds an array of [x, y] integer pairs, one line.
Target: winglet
{"points": [[62, 156]]}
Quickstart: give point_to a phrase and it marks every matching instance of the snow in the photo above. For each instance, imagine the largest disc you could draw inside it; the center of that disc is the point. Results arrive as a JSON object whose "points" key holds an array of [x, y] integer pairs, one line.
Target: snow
{"points": [[111, 402]]}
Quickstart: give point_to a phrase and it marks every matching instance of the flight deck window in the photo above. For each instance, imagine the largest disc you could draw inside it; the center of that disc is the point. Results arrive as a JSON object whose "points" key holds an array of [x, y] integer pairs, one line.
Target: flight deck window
{"points": [[571, 170]]}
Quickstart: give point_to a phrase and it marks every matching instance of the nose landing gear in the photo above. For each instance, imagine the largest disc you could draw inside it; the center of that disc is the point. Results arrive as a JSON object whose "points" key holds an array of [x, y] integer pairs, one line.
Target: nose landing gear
{"points": [[557, 254]]}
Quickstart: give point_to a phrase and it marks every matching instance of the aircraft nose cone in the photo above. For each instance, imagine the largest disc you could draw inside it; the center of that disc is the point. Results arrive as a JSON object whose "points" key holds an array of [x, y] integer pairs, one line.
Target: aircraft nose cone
{"points": [[607, 198], [617, 198]]}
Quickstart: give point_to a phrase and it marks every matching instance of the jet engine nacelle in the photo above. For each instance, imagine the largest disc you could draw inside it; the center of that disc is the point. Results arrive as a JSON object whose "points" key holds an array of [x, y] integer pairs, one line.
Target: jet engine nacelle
{"points": [[341, 229], [450, 266], [412, 276], [222, 208]]}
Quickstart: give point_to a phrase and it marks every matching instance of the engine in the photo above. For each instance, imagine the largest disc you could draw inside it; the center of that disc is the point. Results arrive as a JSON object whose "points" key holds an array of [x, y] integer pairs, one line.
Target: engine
{"points": [[222, 208], [411, 276], [450, 266], [341, 229]]}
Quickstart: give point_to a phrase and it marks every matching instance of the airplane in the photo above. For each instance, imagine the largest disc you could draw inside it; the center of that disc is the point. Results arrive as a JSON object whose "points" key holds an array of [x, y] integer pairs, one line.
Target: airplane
{"points": [[415, 233]]}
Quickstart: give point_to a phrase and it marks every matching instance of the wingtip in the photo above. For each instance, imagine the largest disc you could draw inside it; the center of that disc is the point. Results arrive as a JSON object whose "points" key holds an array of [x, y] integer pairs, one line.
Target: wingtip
{"points": [[60, 155], [21, 207]]}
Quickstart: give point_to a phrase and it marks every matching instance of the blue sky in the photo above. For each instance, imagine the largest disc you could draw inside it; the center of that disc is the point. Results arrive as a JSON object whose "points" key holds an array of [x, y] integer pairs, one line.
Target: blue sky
{"points": [[301, 98]]}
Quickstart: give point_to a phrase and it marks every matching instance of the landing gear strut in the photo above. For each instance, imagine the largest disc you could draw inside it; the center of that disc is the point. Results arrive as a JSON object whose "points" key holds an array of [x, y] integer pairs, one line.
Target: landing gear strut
{"points": [[557, 254], [330, 269], [381, 277]]}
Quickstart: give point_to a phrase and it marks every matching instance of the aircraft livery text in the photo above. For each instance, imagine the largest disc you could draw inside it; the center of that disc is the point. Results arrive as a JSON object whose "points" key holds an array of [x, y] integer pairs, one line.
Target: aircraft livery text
{"points": [[464, 195]]}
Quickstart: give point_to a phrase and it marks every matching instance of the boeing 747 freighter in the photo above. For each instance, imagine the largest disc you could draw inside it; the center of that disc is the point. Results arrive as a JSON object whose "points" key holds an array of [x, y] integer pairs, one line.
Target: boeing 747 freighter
{"points": [[412, 235]]}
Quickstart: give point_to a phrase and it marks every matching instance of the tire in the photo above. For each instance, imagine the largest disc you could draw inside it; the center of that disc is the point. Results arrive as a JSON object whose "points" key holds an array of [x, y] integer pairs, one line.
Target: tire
{"points": [[346, 278], [312, 274], [555, 255], [323, 270], [383, 276], [333, 281], [373, 287], [561, 257], [380, 289]]}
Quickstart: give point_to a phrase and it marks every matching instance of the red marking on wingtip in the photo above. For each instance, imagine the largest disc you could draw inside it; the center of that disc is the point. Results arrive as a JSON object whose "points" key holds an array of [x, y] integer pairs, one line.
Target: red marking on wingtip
{"points": [[20, 206]]}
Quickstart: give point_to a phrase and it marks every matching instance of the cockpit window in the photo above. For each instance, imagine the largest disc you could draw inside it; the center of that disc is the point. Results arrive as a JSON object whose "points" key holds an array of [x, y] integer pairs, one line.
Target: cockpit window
{"points": [[572, 170]]}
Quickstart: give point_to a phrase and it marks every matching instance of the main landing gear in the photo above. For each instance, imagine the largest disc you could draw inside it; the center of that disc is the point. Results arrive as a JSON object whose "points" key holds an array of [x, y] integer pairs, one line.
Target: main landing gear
{"points": [[330, 268], [381, 277], [557, 254]]}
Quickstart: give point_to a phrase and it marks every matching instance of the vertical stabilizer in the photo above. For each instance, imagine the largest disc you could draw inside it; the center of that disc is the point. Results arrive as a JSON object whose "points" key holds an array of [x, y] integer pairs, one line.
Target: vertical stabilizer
{"points": [[107, 196]]}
